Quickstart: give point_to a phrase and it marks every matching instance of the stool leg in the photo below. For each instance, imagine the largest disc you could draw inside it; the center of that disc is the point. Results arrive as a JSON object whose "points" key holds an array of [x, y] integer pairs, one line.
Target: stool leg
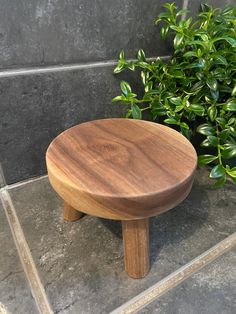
{"points": [[70, 213], [136, 247]]}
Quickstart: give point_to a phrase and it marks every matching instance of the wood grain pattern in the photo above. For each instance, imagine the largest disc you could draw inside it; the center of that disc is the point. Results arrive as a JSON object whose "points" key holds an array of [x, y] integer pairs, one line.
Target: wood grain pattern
{"points": [[71, 214], [136, 247], [121, 168]]}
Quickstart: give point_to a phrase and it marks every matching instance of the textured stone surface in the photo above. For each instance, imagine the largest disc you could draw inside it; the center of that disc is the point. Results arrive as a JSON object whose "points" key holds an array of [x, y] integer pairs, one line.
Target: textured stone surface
{"points": [[36, 108], [44, 32], [15, 295], [210, 291], [81, 263]]}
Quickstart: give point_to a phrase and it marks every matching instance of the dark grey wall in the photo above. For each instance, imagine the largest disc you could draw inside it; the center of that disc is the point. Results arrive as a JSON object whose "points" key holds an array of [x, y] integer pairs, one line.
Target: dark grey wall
{"points": [[46, 32], [56, 61]]}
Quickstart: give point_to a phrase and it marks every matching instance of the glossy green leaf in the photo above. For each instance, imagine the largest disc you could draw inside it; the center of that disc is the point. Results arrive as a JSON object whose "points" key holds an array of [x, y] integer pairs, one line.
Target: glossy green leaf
{"points": [[169, 6], [131, 66], [122, 55], [206, 159], [128, 114], [118, 68], [206, 129], [175, 28], [205, 7], [197, 86], [201, 63], [232, 172], [177, 74], [144, 77], [185, 132], [141, 55], [178, 40], [230, 106], [212, 113], [231, 121], [232, 130], [117, 98], [229, 152], [179, 108], [231, 41], [217, 172], [164, 32], [125, 88], [158, 112], [220, 182], [213, 140], [136, 111], [234, 91], [171, 121], [148, 86], [224, 134], [164, 15], [206, 143], [184, 125], [176, 100], [221, 121], [198, 109], [221, 60], [131, 96], [190, 54], [215, 94], [212, 83]]}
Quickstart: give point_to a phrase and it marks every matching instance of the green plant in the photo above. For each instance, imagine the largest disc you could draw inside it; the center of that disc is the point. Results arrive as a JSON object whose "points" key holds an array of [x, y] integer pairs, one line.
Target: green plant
{"points": [[194, 91]]}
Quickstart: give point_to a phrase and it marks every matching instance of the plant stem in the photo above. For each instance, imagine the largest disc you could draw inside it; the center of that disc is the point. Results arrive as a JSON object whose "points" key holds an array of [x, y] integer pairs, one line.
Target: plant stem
{"points": [[218, 146], [146, 108], [219, 154]]}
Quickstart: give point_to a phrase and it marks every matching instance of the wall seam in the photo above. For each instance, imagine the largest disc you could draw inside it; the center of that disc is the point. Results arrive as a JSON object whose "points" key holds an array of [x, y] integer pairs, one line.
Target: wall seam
{"points": [[185, 7], [174, 279], [64, 68]]}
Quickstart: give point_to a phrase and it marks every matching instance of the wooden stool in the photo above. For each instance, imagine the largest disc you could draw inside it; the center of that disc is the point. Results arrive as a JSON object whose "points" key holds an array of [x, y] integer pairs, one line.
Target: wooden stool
{"points": [[122, 169]]}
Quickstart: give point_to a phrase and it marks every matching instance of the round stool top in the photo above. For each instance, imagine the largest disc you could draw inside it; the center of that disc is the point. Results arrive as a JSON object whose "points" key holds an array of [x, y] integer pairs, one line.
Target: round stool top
{"points": [[121, 168]]}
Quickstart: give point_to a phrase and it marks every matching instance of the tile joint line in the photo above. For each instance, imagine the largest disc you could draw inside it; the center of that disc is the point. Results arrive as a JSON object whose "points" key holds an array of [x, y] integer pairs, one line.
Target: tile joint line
{"points": [[185, 7], [24, 253], [60, 68], [174, 279], [24, 182], [217, 251]]}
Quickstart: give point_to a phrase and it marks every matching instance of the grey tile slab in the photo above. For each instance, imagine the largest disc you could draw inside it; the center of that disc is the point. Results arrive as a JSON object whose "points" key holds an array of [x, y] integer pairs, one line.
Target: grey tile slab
{"points": [[15, 293], [49, 32], [211, 290], [35, 108], [81, 263]]}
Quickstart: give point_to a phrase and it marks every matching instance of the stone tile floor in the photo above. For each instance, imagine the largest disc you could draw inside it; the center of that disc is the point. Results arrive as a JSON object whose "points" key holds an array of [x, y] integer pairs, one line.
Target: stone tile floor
{"points": [[14, 290], [80, 264], [210, 290]]}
